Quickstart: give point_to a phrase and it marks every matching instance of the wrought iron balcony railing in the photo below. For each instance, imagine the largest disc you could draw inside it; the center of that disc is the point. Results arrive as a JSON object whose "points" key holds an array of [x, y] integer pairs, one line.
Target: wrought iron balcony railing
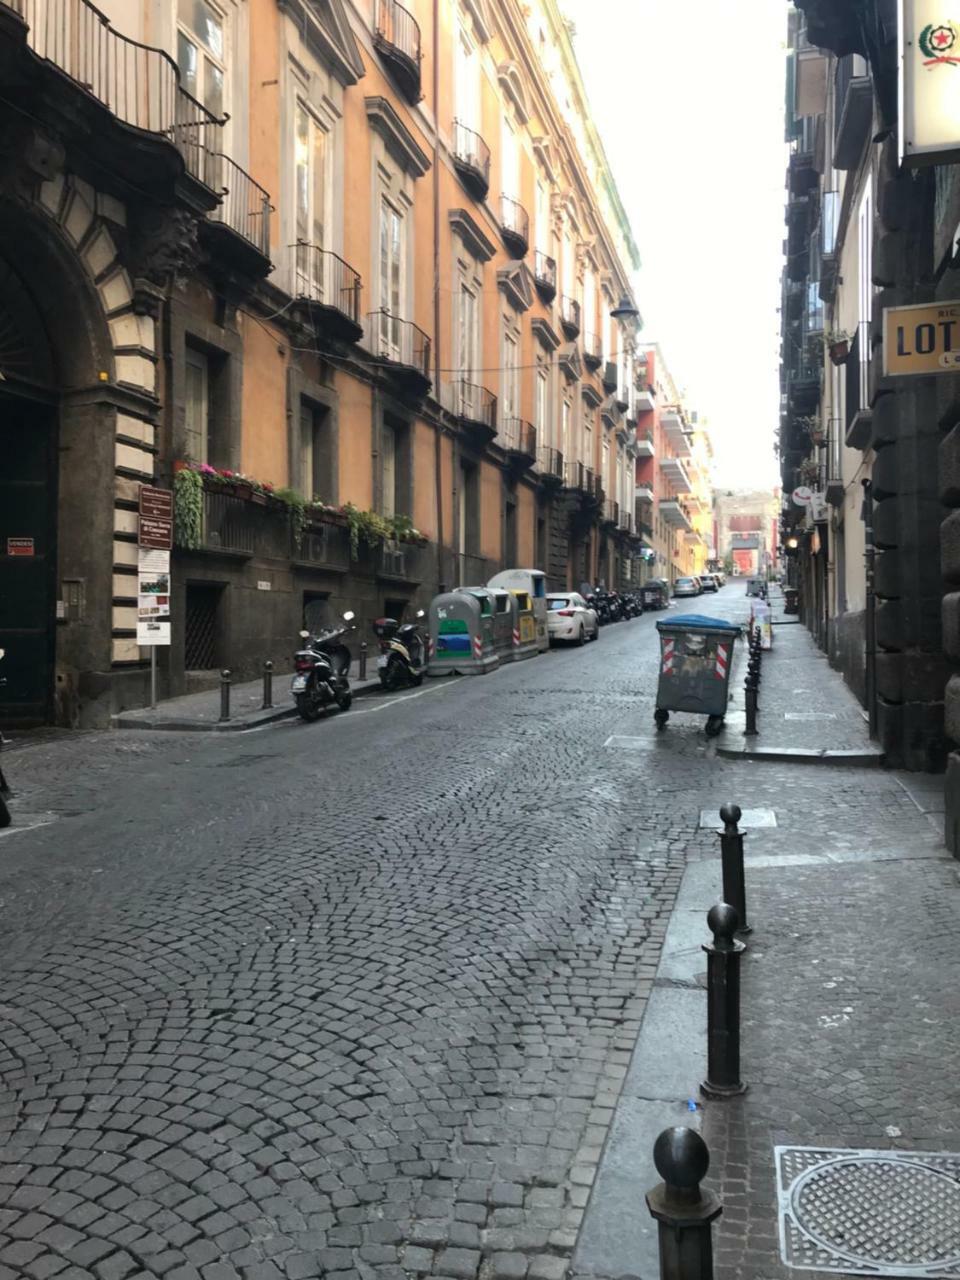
{"points": [[245, 206], [396, 35], [471, 157], [545, 275], [323, 277], [514, 225], [550, 464], [139, 84], [592, 350], [400, 341], [570, 316], [475, 404], [519, 437]]}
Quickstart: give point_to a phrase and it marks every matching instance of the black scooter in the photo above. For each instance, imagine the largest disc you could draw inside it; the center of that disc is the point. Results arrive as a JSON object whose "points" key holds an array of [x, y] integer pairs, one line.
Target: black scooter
{"points": [[403, 654], [321, 668]]}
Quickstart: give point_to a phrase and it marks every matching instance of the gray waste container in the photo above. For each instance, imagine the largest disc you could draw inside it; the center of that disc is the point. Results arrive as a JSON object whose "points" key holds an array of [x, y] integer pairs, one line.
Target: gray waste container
{"points": [[696, 657]]}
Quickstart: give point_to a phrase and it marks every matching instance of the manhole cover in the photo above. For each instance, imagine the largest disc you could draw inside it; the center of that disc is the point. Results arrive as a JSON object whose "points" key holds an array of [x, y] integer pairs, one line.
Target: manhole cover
{"points": [[870, 1213]]}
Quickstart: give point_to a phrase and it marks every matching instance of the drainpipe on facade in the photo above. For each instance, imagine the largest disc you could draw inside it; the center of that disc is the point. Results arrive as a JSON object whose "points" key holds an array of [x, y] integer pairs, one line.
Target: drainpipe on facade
{"points": [[870, 619], [438, 437]]}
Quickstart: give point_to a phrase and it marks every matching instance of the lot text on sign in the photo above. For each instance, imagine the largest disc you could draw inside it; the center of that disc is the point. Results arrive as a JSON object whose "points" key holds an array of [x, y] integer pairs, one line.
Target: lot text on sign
{"points": [[921, 339]]}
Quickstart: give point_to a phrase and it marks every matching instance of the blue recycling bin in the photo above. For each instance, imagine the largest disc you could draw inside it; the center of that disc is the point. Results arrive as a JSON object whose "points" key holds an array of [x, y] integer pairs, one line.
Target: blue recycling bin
{"points": [[696, 658]]}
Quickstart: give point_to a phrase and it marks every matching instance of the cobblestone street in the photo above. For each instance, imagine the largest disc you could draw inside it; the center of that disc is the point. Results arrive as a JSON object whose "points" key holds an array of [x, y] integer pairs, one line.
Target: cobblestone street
{"points": [[355, 998], [348, 998]]}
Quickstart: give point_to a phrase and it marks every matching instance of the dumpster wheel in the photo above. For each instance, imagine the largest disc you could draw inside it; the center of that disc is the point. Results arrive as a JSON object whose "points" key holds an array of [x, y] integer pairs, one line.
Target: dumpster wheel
{"points": [[713, 726], [661, 717]]}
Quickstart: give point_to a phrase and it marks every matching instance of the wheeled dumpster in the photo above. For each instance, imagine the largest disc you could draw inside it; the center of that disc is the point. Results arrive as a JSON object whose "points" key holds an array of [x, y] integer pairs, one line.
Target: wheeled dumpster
{"points": [[654, 594], [461, 634], [525, 635], [756, 586], [504, 617], [534, 582], [696, 657]]}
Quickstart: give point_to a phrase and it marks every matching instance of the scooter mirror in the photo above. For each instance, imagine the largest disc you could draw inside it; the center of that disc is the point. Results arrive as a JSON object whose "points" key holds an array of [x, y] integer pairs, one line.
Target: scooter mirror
{"points": [[304, 635], [419, 613], [349, 616]]}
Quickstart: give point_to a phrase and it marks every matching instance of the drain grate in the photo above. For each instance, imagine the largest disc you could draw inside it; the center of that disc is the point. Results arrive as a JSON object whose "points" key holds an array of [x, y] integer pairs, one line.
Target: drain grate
{"points": [[870, 1213]]}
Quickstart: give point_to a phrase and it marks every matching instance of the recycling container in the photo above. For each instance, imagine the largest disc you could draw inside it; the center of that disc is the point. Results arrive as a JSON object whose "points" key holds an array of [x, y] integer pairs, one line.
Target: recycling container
{"points": [[696, 658], [525, 644], [461, 638]]}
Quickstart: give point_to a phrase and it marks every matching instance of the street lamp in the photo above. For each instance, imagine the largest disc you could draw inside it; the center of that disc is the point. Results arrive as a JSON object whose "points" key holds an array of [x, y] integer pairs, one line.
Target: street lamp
{"points": [[625, 310]]}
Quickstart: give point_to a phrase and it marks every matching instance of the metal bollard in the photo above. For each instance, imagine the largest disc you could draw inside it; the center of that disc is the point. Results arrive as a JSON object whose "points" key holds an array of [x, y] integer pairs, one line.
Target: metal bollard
{"points": [[750, 702], [723, 1005], [363, 660], [267, 686], [731, 862], [683, 1210], [224, 695]]}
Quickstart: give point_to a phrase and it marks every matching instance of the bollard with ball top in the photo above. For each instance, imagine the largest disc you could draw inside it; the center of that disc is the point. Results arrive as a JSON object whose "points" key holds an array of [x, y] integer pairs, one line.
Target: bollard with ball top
{"points": [[267, 686], [731, 862], [723, 1005], [224, 695], [363, 660], [683, 1210]]}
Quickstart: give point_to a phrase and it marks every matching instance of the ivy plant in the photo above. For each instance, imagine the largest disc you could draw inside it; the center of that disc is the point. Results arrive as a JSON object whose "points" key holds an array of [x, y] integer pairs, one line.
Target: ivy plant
{"points": [[188, 509]]}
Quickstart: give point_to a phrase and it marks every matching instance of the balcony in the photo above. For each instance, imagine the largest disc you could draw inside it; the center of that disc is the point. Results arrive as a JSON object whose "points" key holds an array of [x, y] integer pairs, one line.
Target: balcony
{"points": [[471, 159], [611, 512], [473, 570], [643, 493], [859, 418], [570, 316], [137, 84], [804, 365], [323, 546], [545, 275], [611, 376], [404, 348], [625, 522], [677, 474], [802, 172], [644, 447], [671, 420], [330, 289], [399, 561], [584, 481], [550, 467], [675, 514], [798, 237], [477, 412], [236, 527], [514, 226], [239, 227], [396, 37], [519, 439], [592, 351], [645, 400], [852, 110]]}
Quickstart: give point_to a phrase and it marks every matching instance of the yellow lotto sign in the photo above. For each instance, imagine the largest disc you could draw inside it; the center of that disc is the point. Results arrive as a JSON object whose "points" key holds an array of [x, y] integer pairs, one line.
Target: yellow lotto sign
{"points": [[921, 339]]}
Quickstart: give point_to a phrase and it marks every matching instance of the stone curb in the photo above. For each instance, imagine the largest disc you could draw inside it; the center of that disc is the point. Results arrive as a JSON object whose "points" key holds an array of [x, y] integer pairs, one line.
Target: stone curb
{"points": [[804, 755], [136, 720]]}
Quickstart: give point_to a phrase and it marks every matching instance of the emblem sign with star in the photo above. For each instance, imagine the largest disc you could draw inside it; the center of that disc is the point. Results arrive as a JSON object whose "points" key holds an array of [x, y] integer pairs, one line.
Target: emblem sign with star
{"points": [[938, 43]]}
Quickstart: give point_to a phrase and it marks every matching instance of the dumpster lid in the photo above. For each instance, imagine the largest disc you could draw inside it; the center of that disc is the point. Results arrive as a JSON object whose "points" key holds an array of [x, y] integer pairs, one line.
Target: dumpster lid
{"points": [[698, 622]]}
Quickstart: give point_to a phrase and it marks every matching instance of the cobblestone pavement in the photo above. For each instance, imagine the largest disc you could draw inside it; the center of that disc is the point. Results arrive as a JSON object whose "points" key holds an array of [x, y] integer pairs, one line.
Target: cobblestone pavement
{"points": [[353, 999], [348, 999]]}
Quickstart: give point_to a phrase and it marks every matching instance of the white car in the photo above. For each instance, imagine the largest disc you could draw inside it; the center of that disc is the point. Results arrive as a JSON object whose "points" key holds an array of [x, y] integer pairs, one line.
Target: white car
{"points": [[569, 617], [686, 587]]}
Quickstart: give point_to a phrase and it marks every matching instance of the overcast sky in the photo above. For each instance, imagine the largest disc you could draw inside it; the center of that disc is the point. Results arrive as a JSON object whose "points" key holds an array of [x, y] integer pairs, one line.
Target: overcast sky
{"points": [[688, 98]]}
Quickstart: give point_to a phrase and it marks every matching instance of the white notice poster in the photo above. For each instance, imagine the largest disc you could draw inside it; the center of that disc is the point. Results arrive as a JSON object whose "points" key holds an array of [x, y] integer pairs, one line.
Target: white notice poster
{"points": [[153, 596]]}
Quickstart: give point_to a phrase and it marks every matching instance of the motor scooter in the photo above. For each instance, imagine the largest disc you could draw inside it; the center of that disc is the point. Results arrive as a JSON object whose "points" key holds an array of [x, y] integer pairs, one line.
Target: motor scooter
{"points": [[403, 655], [320, 671]]}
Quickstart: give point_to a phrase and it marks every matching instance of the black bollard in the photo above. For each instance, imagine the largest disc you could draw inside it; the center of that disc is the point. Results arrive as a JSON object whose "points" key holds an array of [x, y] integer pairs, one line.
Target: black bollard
{"points": [[750, 702], [723, 1005], [267, 686], [224, 695], [363, 660], [731, 862], [683, 1210]]}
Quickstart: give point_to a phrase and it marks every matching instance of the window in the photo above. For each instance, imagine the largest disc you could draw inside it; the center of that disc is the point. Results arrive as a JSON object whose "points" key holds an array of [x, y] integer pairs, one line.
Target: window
{"points": [[590, 302], [467, 83], [865, 292], [565, 431], [541, 408], [568, 266], [605, 473], [388, 453], [310, 170], [543, 236], [201, 52], [605, 306], [391, 277], [315, 453], [510, 379], [197, 405], [509, 161], [468, 353]]}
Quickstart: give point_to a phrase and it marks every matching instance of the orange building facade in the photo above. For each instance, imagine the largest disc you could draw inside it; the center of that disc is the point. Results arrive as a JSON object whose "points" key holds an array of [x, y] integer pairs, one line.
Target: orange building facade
{"points": [[353, 280]]}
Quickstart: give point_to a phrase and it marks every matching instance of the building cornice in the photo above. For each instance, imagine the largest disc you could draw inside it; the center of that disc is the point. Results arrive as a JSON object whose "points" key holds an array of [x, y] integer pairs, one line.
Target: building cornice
{"points": [[401, 143], [471, 234]]}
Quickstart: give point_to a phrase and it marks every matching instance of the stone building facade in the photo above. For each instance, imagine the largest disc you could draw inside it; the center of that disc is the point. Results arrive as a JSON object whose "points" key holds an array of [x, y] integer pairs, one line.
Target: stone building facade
{"points": [[318, 254], [878, 559]]}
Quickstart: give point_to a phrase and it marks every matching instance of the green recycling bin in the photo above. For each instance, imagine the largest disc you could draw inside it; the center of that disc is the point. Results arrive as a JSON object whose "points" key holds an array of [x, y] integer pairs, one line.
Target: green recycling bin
{"points": [[696, 658]]}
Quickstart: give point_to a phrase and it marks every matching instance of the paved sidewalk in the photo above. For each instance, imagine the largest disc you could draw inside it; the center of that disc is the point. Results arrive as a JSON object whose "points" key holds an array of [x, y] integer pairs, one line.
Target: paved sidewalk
{"points": [[201, 711], [807, 712]]}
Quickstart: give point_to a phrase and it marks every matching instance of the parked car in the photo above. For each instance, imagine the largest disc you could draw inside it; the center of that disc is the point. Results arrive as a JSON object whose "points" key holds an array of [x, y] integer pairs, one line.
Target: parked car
{"points": [[708, 582], [686, 587], [570, 618]]}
